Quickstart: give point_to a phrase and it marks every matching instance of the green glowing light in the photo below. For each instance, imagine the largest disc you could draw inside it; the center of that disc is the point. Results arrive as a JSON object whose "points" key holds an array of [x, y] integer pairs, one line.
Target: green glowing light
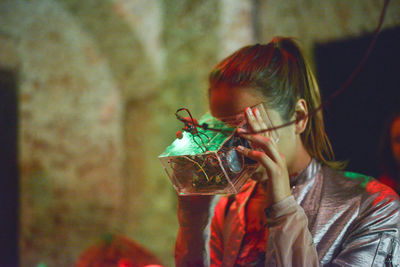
{"points": [[189, 144], [356, 176]]}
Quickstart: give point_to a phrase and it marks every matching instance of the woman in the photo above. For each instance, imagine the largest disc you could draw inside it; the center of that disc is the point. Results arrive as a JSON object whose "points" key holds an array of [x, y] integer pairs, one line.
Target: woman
{"points": [[389, 152], [297, 210]]}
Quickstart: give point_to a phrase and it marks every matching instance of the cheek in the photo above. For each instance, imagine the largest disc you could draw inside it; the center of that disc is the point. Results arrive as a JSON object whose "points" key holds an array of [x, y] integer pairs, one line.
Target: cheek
{"points": [[287, 142]]}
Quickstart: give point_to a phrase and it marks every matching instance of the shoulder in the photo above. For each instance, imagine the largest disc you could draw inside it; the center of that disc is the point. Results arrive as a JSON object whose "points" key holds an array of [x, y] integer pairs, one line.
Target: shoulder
{"points": [[369, 206], [366, 191]]}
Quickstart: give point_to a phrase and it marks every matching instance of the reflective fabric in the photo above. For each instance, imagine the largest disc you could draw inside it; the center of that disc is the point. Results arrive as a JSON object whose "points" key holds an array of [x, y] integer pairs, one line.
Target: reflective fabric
{"points": [[349, 219]]}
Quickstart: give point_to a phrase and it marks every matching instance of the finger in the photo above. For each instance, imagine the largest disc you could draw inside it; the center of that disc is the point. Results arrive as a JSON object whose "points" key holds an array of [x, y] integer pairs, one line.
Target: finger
{"points": [[252, 121], [258, 156], [265, 123], [261, 121], [267, 119], [259, 174], [265, 143]]}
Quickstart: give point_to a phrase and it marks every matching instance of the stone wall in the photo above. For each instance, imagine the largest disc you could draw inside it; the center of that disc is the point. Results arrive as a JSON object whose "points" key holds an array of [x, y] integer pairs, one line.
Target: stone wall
{"points": [[99, 82], [70, 133]]}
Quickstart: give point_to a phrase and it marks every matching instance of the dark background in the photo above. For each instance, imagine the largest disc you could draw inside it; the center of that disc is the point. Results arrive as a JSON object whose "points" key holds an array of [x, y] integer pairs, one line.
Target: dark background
{"points": [[354, 120], [8, 169]]}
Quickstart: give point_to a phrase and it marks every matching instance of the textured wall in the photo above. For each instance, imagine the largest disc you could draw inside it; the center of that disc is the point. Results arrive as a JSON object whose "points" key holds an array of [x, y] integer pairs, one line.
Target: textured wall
{"points": [[70, 133], [312, 21], [99, 82]]}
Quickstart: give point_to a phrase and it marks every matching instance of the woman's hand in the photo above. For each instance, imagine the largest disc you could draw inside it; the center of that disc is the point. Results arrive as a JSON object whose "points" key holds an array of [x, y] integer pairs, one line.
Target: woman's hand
{"points": [[272, 173]]}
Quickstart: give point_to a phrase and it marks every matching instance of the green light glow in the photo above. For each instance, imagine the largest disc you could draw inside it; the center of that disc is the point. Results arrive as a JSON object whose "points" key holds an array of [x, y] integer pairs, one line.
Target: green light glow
{"points": [[188, 146], [356, 176]]}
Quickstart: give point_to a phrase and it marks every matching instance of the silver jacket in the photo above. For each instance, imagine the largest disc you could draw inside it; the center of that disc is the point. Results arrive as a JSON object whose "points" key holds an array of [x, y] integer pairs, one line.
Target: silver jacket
{"points": [[353, 219], [333, 219]]}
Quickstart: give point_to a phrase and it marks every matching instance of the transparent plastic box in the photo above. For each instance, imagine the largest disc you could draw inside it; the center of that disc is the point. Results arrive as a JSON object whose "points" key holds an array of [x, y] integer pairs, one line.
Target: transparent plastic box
{"points": [[207, 163]]}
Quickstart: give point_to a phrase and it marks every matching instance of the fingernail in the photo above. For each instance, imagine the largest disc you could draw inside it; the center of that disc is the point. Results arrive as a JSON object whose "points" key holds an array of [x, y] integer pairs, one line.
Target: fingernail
{"points": [[249, 111], [257, 112], [241, 131], [240, 148]]}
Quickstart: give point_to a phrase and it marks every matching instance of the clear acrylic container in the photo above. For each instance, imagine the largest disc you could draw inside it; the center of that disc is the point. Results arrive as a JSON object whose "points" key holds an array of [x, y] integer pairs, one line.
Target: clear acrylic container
{"points": [[207, 163]]}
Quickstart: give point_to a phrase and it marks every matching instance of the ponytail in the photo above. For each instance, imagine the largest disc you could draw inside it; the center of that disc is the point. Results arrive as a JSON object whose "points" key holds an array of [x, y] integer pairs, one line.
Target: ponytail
{"points": [[279, 72], [314, 137]]}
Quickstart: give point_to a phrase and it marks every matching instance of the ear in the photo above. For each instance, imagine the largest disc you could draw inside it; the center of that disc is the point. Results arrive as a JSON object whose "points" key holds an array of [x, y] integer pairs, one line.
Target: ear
{"points": [[301, 114]]}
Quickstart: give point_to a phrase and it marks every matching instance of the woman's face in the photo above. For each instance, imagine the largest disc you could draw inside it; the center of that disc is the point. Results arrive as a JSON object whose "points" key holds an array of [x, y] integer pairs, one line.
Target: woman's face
{"points": [[226, 101], [395, 139]]}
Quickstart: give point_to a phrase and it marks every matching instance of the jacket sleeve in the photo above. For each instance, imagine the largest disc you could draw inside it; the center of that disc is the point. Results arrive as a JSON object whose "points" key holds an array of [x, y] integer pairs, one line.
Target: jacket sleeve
{"points": [[192, 246], [217, 228], [290, 242], [374, 238]]}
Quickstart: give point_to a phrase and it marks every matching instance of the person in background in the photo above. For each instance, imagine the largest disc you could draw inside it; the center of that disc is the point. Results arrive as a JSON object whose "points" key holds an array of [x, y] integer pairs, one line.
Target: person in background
{"points": [[117, 251], [299, 208], [389, 153]]}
